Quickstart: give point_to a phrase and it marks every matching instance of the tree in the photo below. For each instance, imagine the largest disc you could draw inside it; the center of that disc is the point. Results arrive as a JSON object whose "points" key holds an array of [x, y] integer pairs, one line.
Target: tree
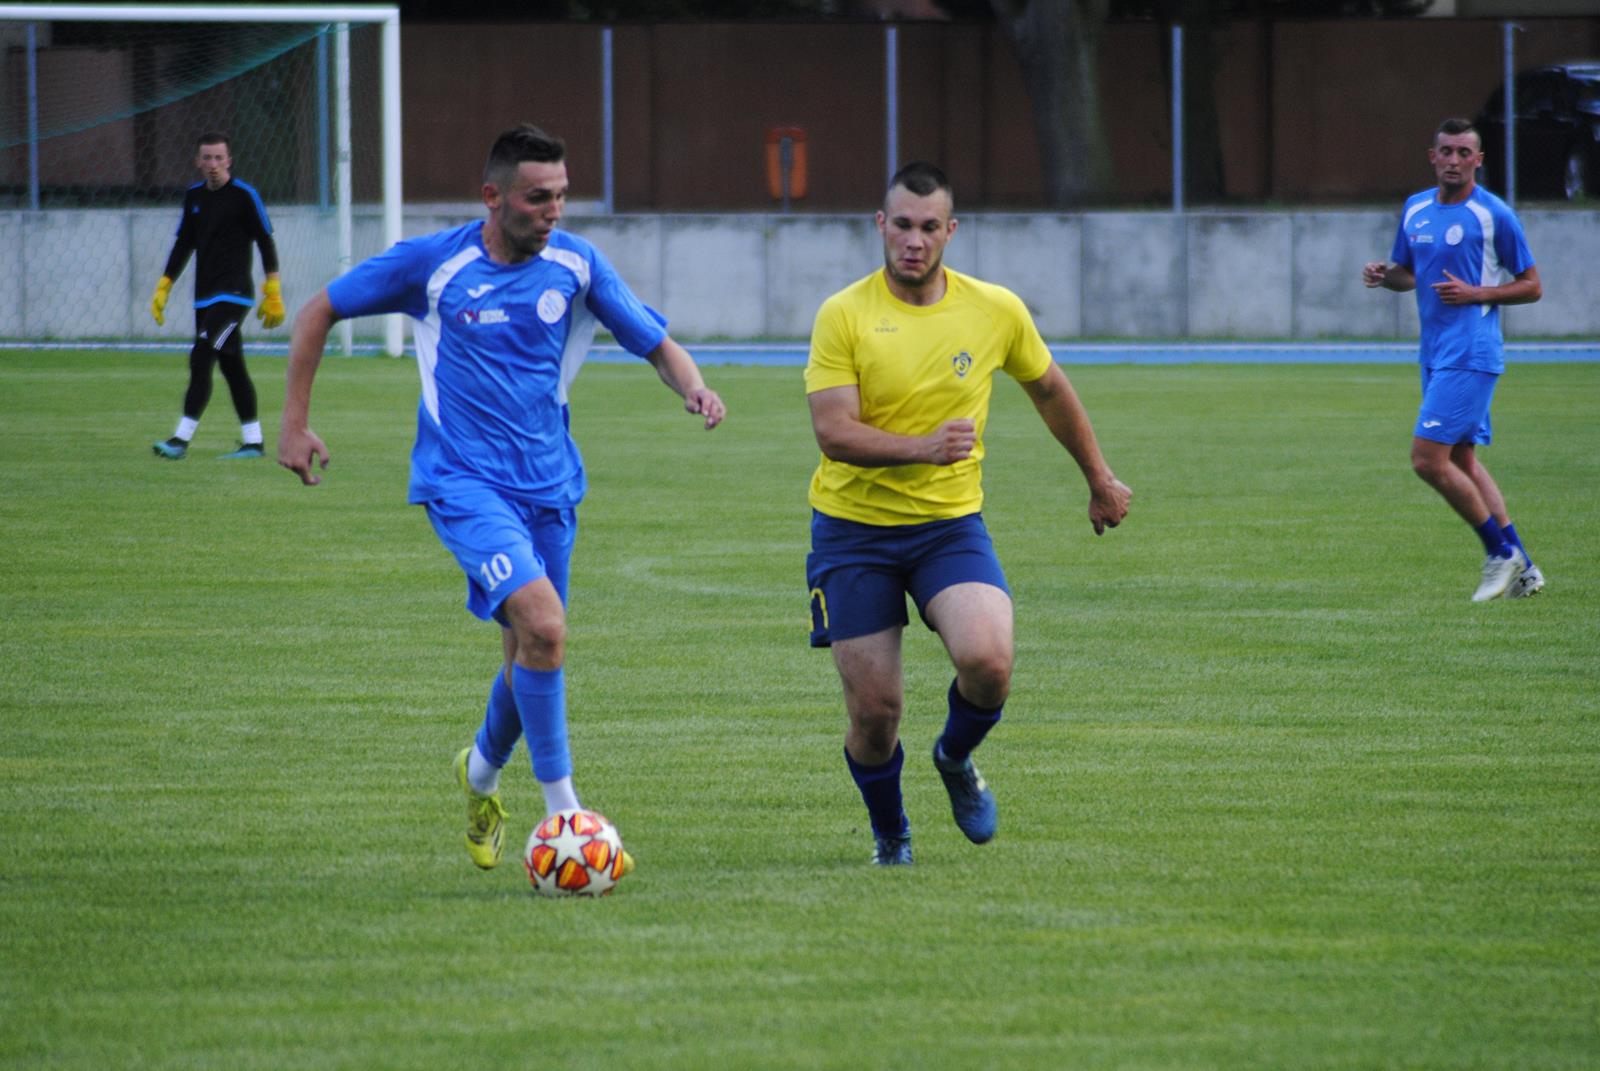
{"points": [[1057, 45]]}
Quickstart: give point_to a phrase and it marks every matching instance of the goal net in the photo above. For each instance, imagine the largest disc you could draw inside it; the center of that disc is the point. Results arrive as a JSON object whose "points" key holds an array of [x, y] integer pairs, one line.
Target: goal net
{"points": [[99, 122]]}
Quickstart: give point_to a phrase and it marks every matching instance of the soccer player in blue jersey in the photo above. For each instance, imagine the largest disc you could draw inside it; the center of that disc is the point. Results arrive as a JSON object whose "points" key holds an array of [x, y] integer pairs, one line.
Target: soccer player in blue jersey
{"points": [[222, 219], [898, 383], [1462, 250], [504, 312]]}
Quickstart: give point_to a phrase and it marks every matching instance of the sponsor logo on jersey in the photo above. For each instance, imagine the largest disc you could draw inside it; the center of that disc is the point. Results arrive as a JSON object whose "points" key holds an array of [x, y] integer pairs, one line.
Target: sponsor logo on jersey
{"points": [[1422, 239], [962, 363], [885, 327], [484, 316]]}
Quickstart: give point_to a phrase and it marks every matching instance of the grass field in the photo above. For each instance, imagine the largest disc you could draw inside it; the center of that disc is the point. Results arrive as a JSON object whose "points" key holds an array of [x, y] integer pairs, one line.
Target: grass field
{"points": [[1274, 794]]}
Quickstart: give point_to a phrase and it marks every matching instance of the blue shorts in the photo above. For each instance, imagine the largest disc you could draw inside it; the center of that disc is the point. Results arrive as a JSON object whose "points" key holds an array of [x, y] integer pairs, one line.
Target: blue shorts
{"points": [[1455, 406], [860, 574], [502, 544]]}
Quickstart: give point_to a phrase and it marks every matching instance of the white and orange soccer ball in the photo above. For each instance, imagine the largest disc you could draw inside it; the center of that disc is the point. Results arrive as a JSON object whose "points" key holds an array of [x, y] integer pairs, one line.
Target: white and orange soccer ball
{"points": [[574, 853]]}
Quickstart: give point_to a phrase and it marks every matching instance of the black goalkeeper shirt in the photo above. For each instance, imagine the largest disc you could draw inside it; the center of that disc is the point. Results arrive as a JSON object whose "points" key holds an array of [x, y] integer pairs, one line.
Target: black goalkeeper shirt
{"points": [[219, 226]]}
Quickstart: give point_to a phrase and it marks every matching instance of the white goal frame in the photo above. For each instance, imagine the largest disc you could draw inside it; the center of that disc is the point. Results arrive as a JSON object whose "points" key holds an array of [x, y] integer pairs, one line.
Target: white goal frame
{"points": [[342, 16]]}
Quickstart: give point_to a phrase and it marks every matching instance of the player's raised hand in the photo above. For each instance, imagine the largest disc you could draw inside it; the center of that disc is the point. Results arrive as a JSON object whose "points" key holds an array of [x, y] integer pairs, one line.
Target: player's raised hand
{"points": [[298, 450], [1108, 505], [953, 441], [706, 402]]}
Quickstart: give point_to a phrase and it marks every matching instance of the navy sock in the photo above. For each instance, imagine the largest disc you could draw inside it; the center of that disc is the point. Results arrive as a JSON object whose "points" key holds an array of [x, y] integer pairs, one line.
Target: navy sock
{"points": [[1494, 538], [1515, 540], [965, 726], [880, 791]]}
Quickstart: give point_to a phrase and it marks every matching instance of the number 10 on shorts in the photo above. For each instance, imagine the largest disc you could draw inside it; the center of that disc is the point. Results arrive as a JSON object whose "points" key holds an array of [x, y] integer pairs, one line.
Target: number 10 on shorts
{"points": [[496, 571]]}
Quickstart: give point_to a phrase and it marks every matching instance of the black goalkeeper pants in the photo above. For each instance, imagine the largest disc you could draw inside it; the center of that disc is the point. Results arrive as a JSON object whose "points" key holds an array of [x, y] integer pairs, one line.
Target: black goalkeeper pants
{"points": [[218, 341]]}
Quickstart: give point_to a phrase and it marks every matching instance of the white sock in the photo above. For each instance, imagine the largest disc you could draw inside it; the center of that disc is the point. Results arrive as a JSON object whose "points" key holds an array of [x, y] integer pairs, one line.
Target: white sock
{"points": [[559, 796], [484, 779], [186, 428], [251, 433]]}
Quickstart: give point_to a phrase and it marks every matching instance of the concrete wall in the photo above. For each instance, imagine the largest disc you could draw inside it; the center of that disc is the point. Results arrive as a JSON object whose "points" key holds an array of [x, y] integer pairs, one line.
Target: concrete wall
{"points": [[1244, 275]]}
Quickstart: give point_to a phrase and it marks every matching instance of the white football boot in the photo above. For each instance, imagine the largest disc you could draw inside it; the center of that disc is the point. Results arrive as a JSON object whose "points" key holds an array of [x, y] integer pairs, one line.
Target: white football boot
{"points": [[1498, 576], [1531, 582]]}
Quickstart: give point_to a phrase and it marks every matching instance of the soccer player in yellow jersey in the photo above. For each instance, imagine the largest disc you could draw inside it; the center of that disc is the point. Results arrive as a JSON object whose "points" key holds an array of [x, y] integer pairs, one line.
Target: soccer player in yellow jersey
{"points": [[898, 383]]}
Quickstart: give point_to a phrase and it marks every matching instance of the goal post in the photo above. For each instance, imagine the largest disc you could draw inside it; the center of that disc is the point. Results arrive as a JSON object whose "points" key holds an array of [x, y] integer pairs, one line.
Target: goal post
{"points": [[100, 106]]}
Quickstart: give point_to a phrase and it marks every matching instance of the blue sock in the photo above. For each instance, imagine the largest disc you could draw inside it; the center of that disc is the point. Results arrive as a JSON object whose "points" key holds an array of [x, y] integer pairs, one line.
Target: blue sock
{"points": [[1494, 538], [965, 726], [542, 704], [1515, 540], [880, 791], [501, 726]]}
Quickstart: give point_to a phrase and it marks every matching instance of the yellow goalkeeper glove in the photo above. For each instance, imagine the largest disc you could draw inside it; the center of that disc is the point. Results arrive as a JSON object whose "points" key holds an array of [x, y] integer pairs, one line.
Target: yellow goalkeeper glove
{"points": [[270, 311], [158, 300]]}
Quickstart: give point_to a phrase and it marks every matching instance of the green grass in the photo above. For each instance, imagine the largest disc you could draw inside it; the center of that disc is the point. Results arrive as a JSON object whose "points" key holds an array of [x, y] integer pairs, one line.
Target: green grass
{"points": [[1274, 793]]}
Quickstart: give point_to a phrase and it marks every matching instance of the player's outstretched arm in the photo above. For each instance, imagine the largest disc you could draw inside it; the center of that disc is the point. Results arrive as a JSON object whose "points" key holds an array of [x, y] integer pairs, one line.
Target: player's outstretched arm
{"points": [[679, 372], [299, 448], [1052, 395]]}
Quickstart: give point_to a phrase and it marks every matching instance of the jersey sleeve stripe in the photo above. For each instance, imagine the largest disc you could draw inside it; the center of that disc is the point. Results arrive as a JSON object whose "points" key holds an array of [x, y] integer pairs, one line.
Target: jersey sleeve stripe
{"points": [[261, 208]]}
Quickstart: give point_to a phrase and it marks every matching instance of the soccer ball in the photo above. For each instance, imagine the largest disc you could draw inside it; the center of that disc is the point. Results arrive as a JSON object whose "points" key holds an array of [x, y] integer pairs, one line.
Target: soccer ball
{"points": [[574, 853]]}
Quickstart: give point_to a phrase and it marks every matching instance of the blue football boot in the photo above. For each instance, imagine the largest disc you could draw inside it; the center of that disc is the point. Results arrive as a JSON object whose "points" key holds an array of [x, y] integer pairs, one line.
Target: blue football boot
{"points": [[970, 799]]}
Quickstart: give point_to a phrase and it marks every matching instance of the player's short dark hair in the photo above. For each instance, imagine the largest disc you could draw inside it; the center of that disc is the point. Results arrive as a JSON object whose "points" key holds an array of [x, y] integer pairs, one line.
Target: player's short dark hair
{"points": [[922, 178], [519, 145], [214, 137], [1452, 127]]}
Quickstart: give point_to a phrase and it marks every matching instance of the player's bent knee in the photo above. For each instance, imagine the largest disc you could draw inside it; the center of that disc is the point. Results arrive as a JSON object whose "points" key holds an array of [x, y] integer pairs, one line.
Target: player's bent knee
{"points": [[984, 689], [877, 735], [988, 668], [538, 627], [1428, 465]]}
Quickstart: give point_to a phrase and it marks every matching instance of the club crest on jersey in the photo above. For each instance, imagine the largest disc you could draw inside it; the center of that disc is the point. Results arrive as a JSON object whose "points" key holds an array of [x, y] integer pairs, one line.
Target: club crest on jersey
{"points": [[552, 306], [1454, 235], [962, 364]]}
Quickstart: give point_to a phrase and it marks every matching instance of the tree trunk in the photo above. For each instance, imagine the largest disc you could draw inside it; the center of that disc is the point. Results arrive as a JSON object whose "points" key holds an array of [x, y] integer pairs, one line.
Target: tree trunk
{"points": [[1056, 43]]}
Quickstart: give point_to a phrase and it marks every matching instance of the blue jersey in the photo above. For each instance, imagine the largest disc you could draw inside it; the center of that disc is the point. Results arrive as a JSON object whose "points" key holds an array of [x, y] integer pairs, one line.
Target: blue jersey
{"points": [[498, 346], [1480, 242]]}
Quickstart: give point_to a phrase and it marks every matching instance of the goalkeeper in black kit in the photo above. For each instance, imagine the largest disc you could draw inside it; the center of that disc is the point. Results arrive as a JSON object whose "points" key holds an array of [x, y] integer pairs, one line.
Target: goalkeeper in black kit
{"points": [[222, 218]]}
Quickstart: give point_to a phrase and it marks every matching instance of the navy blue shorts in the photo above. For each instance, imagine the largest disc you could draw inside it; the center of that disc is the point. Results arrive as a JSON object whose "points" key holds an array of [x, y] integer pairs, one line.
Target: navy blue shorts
{"points": [[860, 574]]}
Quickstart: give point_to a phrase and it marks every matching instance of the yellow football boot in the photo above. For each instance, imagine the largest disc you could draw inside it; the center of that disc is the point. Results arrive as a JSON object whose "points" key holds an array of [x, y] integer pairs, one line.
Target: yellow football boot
{"points": [[486, 819]]}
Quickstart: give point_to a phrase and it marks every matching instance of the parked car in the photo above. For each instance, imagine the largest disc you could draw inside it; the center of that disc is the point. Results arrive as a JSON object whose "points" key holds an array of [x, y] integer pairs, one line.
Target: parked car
{"points": [[1558, 132]]}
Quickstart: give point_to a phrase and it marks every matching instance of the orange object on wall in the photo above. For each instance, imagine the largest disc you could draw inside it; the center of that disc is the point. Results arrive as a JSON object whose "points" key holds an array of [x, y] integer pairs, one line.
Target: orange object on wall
{"points": [[796, 136]]}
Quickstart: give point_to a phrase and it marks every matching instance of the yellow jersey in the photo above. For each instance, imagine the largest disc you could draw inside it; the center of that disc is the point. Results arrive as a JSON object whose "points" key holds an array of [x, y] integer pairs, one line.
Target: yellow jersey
{"points": [[917, 366]]}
